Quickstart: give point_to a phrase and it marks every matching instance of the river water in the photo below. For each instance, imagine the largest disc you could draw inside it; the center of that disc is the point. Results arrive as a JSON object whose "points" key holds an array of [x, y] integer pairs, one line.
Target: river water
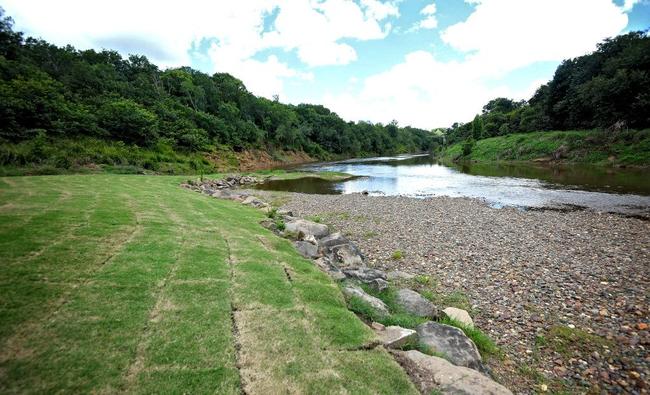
{"points": [[624, 191]]}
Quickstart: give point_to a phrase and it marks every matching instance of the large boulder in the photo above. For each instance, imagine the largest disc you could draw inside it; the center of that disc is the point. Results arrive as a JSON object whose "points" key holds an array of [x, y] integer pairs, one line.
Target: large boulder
{"points": [[306, 249], [373, 277], [307, 228], [433, 374], [332, 240], [354, 291], [347, 255], [396, 336], [459, 315], [452, 343], [414, 303]]}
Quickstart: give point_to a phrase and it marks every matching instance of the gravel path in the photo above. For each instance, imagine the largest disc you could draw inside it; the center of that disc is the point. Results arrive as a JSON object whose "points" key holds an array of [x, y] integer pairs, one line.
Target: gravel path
{"points": [[525, 272]]}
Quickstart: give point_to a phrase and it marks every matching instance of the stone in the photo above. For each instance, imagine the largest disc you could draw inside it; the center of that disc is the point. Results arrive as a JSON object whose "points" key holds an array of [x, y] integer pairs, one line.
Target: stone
{"points": [[452, 343], [373, 277], [396, 336], [446, 378], [459, 315], [306, 249], [414, 303], [347, 255], [377, 326], [354, 291], [399, 275], [332, 240], [250, 200], [326, 265], [216, 194], [307, 228]]}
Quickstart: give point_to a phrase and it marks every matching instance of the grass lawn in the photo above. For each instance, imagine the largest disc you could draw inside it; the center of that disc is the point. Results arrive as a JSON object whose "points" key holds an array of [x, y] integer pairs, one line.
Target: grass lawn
{"points": [[118, 283]]}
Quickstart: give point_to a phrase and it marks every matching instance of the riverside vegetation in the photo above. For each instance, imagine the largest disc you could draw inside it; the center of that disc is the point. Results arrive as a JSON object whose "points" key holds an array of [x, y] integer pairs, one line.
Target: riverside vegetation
{"points": [[65, 110]]}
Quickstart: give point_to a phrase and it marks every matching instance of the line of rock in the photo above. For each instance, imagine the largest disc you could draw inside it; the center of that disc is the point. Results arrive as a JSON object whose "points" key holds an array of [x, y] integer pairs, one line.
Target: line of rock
{"points": [[460, 372]]}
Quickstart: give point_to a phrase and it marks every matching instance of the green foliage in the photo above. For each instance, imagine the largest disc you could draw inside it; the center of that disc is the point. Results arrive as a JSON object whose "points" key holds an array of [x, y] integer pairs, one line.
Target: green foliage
{"points": [[597, 147], [607, 89], [468, 145], [68, 93], [397, 255]]}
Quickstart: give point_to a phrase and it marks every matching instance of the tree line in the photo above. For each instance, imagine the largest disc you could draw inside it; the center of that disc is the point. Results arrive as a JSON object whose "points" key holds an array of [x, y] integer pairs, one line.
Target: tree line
{"points": [[58, 92], [608, 89]]}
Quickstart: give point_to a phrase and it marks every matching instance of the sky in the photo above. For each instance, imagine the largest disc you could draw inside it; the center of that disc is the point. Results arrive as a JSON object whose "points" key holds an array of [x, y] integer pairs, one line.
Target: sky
{"points": [[422, 63]]}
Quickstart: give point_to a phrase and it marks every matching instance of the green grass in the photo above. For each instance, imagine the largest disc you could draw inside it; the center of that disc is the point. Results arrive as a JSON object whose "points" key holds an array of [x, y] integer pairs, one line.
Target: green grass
{"points": [[570, 342], [122, 283], [593, 147], [397, 255]]}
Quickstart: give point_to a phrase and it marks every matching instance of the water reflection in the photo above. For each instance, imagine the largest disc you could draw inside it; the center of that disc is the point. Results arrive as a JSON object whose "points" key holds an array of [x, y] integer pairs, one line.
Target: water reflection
{"points": [[526, 185]]}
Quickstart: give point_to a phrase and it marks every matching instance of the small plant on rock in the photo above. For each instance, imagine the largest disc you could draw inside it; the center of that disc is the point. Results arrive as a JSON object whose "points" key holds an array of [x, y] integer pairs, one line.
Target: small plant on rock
{"points": [[397, 255]]}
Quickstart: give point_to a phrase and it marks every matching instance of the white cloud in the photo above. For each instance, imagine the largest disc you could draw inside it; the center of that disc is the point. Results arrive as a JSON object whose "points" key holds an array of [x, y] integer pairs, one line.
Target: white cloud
{"points": [[498, 37], [508, 34], [165, 31], [429, 22], [629, 4]]}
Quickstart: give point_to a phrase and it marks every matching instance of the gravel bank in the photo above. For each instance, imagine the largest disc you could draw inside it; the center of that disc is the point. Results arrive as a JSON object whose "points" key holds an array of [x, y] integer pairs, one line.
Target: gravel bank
{"points": [[525, 272]]}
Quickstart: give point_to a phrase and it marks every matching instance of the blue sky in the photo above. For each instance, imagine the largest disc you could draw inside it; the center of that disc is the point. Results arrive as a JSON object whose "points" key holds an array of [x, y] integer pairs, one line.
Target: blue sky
{"points": [[427, 63]]}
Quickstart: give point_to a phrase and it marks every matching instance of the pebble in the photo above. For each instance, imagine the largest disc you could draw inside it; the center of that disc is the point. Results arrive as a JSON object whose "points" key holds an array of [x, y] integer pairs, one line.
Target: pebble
{"points": [[522, 271]]}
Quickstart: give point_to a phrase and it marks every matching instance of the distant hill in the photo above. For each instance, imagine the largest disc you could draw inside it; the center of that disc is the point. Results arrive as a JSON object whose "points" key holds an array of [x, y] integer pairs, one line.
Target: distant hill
{"points": [[128, 112]]}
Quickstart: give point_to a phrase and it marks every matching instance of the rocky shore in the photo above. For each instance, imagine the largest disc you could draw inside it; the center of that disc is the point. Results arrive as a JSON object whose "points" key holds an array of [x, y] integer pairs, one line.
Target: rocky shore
{"points": [[564, 294]]}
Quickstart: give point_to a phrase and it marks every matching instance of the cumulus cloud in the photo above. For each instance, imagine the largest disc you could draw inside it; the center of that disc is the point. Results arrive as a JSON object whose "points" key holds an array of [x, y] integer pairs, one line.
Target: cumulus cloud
{"points": [[499, 37], [167, 31]]}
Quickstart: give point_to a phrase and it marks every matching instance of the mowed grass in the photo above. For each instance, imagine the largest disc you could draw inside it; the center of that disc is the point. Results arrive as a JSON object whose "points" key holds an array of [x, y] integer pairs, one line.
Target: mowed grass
{"points": [[115, 283]]}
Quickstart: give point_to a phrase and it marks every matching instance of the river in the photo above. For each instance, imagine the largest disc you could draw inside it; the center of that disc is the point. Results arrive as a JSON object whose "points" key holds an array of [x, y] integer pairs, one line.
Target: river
{"points": [[522, 185]]}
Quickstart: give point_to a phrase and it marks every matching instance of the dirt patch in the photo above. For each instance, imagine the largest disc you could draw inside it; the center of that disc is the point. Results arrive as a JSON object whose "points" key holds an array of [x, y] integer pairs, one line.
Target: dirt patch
{"points": [[250, 160]]}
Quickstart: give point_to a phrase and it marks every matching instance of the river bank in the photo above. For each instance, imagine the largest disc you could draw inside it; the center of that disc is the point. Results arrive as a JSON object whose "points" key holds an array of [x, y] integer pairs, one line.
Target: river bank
{"points": [[630, 148], [562, 293]]}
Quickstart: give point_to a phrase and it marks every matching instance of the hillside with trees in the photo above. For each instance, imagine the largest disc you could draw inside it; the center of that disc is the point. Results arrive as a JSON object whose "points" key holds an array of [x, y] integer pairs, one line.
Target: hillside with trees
{"points": [[605, 95], [607, 89], [64, 108]]}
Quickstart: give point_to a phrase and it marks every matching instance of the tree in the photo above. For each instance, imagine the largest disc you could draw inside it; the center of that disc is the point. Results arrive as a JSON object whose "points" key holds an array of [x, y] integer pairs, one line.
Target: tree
{"points": [[477, 128]]}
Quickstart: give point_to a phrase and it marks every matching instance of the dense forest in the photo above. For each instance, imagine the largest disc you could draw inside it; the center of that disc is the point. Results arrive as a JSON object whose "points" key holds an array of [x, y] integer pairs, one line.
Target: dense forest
{"points": [[48, 93], [608, 89]]}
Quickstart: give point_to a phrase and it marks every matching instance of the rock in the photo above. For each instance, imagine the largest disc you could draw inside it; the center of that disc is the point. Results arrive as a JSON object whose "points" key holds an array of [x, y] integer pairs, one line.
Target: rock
{"points": [[311, 239], [452, 343], [459, 315], [414, 303], [396, 336], [250, 200], [354, 291], [334, 272], [307, 228], [347, 255], [399, 275], [269, 224], [377, 326], [284, 213], [333, 240], [446, 378], [306, 249], [216, 194], [373, 277]]}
